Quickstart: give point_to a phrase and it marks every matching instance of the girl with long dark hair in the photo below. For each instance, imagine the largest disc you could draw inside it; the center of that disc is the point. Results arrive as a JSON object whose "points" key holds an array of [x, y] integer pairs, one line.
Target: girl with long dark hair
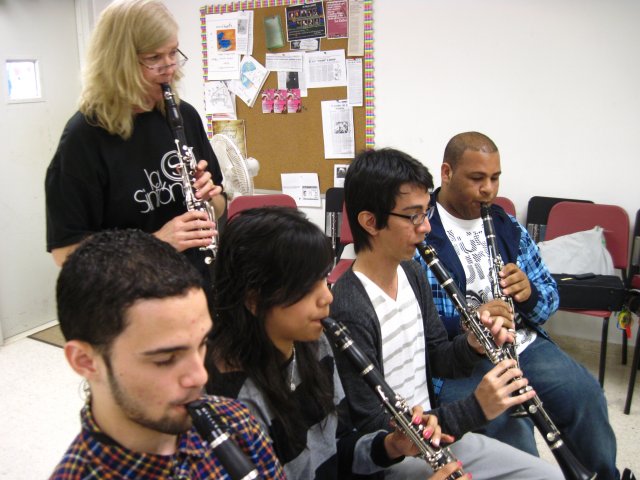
{"points": [[268, 349]]}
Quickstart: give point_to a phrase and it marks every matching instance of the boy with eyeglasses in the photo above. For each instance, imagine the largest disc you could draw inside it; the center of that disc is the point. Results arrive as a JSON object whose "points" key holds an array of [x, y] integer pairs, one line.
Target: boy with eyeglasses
{"points": [[387, 306]]}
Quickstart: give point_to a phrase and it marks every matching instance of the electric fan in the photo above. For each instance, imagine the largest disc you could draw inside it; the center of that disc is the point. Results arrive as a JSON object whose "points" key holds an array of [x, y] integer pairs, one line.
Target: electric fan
{"points": [[237, 172]]}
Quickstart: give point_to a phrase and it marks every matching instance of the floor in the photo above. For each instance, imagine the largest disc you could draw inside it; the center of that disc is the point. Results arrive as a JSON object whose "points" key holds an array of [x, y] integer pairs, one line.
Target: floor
{"points": [[42, 398]]}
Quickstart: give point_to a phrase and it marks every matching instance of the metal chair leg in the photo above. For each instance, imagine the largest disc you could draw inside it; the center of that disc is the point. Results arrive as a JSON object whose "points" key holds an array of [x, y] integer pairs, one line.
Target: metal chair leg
{"points": [[624, 347], [632, 377], [603, 350]]}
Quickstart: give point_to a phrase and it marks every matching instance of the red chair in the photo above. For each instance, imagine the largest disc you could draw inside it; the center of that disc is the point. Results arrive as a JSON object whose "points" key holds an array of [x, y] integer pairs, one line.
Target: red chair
{"points": [[245, 202], [538, 209], [571, 217], [506, 204], [346, 238]]}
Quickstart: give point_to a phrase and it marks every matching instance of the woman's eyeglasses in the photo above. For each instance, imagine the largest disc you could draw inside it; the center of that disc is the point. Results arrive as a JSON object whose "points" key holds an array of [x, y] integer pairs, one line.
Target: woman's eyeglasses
{"points": [[156, 62]]}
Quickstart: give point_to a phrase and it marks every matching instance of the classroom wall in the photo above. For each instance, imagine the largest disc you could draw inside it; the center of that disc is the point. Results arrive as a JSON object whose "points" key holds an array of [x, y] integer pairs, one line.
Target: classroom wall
{"points": [[44, 30], [552, 82]]}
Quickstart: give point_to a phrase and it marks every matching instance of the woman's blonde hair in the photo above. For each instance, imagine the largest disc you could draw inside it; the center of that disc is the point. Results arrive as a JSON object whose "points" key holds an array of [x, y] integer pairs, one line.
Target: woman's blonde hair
{"points": [[113, 83]]}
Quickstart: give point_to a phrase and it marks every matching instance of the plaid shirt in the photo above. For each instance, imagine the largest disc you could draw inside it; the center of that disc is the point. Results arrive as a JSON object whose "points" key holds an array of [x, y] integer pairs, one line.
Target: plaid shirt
{"points": [[544, 287], [94, 455]]}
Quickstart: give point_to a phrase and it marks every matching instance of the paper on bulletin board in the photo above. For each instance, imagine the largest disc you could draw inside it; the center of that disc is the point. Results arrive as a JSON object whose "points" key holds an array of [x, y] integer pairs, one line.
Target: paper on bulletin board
{"points": [[355, 86], [252, 77], [325, 69], [337, 19], [243, 19], [218, 101], [223, 66], [337, 129], [235, 130], [305, 21], [303, 187], [222, 34], [355, 45], [339, 173]]}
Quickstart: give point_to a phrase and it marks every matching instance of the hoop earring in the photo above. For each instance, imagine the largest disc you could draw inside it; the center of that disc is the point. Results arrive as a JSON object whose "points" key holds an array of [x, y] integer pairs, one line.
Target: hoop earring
{"points": [[84, 390]]}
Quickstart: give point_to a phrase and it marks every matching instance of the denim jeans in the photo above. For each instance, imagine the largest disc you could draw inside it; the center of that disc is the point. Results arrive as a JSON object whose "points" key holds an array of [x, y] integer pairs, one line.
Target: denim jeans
{"points": [[570, 395]]}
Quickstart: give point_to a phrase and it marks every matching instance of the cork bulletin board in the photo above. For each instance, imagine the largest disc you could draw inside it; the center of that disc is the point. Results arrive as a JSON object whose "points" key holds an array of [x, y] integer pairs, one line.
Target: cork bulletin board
{"points": [[293, 143]]}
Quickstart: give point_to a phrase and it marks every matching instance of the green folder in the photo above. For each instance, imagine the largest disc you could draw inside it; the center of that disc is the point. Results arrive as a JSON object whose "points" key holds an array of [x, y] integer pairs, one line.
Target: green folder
{"points": [[273, 32]]}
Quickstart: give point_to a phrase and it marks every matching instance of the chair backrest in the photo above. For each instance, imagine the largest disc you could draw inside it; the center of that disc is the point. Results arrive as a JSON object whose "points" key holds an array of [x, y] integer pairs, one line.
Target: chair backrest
{"points": [[634, 263], [245, 202], [569, 217], [538, 209], [346, 237], [506, 204]]}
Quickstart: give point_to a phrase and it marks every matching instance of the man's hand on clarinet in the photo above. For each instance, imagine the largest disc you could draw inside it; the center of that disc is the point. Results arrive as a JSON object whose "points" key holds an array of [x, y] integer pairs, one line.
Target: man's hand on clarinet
{"points": [[494, 392], [496, 326], [515, 283], [499, 308]]}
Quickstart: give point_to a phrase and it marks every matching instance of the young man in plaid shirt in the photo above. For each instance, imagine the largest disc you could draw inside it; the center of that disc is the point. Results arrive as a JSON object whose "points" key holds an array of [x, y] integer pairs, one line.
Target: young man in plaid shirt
{"points": [[136, 322]]}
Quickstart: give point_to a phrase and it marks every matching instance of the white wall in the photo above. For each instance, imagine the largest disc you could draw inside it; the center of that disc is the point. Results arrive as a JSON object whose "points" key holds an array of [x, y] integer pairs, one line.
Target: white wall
{"points": [[44, 30], [553, 82]]}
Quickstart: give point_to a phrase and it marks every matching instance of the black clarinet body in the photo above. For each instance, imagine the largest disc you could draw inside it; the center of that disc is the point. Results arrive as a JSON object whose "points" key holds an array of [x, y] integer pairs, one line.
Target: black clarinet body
{"points": [[494, 256], [397, 406], [569, 464], [497, 264], [188, 165], [234, 460]]}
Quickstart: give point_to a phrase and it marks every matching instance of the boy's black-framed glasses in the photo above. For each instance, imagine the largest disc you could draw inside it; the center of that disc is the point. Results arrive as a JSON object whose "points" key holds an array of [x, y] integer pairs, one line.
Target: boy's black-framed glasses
{"points": [[416, 218]]}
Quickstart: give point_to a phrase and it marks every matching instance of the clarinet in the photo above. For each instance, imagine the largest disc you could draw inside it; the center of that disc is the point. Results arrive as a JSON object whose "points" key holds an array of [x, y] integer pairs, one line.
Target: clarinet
{"points": [[569, 464], [233, 459], [188, 168], [396, 405], [494, 278]]}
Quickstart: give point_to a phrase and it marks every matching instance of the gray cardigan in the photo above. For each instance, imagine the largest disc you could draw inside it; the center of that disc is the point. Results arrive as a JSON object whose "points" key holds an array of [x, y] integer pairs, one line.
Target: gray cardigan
{"points": [[444, 358]]}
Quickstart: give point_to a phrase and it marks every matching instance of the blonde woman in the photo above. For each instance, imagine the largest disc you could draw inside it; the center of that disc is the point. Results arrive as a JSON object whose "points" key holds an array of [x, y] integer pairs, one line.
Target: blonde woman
{"points": [[116, 165]]}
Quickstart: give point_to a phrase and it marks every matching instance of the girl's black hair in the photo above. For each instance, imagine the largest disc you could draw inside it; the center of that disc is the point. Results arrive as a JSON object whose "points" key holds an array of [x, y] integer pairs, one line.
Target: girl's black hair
{"points": [[269, 257]]}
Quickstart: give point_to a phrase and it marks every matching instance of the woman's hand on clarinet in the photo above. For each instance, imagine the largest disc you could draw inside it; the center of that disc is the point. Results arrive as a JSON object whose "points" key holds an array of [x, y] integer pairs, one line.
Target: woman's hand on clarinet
{"points": [[449, 469], [204, 186], [398, 444], [494, 392], [189, 230]]}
